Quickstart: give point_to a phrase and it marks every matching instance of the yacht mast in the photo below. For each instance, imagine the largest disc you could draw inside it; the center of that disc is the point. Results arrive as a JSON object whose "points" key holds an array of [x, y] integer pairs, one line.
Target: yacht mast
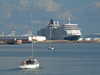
{"points": [[32, 33], [50, 36]]}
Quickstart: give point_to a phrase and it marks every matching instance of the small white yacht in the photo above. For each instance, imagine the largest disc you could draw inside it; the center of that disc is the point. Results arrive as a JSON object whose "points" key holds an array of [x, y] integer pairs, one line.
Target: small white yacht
{"points": [[31, 63], [50, 47]]}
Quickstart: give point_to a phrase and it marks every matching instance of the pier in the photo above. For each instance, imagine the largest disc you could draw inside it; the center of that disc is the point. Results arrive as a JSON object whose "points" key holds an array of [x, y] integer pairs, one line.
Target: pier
{"points": [[51, 41], [66, 41]]}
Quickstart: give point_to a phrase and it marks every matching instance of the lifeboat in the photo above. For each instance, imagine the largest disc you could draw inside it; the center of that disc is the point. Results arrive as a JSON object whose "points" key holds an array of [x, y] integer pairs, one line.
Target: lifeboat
{"points": [[19, 41]]}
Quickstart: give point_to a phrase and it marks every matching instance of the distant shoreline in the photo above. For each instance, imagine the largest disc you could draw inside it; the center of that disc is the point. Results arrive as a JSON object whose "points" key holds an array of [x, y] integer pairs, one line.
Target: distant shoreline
{"points": [[52, 41]]}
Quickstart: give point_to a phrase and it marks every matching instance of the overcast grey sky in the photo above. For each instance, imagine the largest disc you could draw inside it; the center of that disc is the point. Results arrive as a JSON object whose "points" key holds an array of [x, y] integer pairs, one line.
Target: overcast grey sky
{"points": [[15, 14]]}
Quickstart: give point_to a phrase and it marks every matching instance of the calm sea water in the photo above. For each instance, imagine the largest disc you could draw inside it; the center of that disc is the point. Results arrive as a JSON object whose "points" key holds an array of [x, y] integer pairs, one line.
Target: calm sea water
{"points": [[65, 59]]}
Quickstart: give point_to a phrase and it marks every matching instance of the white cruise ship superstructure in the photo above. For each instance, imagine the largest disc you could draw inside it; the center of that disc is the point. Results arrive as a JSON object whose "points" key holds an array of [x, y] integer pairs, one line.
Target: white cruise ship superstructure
{"points": [[61, 32]]}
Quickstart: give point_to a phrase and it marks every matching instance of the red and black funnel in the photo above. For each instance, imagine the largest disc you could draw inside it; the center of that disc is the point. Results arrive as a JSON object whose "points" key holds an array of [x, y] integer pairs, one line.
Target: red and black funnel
{"points": [[51, 21]]}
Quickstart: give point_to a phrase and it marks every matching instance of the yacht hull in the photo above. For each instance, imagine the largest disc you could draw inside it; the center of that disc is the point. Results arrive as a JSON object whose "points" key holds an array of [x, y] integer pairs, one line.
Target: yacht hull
{"points": [[29, 66], [51, 48]]}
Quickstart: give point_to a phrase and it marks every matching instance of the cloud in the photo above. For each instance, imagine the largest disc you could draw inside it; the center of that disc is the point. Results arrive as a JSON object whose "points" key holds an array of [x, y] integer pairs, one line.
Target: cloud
{"points": [[19, 12], [37, 21], [22, 5], [20, 8], [11, 26], [93, 6], [65, 15], [15, 26], [5, 11], [91, 11], [41, 8], [48, 5], [44, 8], [53, 9]]}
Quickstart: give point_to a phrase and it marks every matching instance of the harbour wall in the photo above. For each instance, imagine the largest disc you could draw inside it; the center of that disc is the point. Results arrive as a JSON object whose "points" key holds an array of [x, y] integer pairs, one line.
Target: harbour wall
{"points": [[9, 42], [66, 41], [50, 41]]}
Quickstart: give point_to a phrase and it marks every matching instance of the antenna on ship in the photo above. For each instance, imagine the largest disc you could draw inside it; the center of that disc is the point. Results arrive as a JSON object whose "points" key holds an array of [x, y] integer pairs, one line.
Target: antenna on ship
{"points": [[3, 33], [69, 20]]}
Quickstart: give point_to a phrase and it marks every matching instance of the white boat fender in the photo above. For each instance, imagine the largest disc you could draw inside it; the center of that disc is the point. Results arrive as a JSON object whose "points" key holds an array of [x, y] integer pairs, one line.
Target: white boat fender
{"points": [[35, 60]]}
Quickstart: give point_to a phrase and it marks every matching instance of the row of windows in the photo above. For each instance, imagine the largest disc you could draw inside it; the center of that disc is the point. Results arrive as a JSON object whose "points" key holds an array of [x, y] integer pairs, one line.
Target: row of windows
{"points": [[72, 29], [71, 26]]}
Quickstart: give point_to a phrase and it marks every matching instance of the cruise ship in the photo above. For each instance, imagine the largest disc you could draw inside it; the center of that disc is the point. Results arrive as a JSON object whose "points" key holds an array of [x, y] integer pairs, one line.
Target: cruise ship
{"points": [[61, 32]]}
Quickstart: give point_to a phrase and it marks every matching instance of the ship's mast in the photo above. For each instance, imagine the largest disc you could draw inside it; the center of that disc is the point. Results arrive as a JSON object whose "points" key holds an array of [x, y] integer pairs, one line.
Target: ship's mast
{"points": [[69, 20]]}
